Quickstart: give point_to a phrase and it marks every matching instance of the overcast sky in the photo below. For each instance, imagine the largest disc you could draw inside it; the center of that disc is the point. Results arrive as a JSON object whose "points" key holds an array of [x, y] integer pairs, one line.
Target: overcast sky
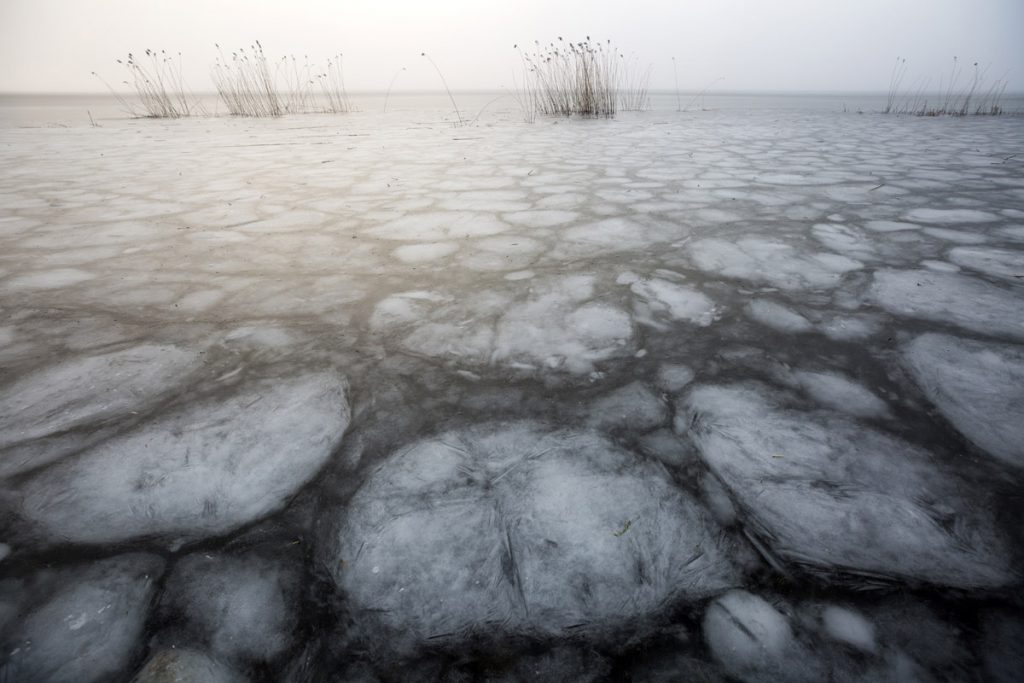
{"points": [[786, 45]]}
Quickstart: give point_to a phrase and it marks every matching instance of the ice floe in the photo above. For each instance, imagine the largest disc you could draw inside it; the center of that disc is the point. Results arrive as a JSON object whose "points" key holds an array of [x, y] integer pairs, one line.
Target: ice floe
{"points": [[80, 623], [833, 496], [88, 389], [977, 386], [241, 608], [950, 298], [1001, 263], [770, 261], [200, 471], [506, 529]]}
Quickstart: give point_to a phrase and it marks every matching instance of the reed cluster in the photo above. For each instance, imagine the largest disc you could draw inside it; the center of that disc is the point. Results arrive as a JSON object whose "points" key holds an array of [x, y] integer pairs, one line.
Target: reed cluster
{"points": [[567, 78], [159, 87], [957, 96], [245, 83]]}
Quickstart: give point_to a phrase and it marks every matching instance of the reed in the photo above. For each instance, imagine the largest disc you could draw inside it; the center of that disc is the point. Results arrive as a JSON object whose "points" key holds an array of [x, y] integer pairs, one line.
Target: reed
{"points": [[956, 96], [632, 90], [159, 85], [245, 83], [295, 83], [332, 87], [581, 78]]}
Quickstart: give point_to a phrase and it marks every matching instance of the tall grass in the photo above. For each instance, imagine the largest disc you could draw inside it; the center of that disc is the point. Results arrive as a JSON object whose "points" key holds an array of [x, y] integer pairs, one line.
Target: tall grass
{"points": [[567, 78], [159, 87], [632, 89], [332, 87], [245, 83], [295, 83], [956, 96]]}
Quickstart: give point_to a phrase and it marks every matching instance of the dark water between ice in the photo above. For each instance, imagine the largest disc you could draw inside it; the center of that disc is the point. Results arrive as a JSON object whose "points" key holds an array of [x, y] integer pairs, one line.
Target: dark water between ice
{"points": [[733, 393]]}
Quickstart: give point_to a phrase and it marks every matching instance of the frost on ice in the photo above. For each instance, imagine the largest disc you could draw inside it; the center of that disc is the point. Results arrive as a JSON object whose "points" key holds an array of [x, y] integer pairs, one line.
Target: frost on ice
{"points": [[554, 325], [514, 529], [88, 390], [773, 262], [201, 471], [832, 496], [978, 387], [80, 623], [951, 298], [241, 608]]}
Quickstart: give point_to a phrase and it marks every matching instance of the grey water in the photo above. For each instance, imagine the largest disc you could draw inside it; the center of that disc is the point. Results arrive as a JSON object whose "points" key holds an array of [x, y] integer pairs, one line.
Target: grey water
{"points": [[728, 389]]}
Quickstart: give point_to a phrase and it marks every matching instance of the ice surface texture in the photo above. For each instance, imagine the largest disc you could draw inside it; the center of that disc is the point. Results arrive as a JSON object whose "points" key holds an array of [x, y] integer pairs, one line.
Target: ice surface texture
{"points": [[978, 386], [201, 471], [834, 496], [241, 608], [81, 623], [570, 345], [514, 529]]}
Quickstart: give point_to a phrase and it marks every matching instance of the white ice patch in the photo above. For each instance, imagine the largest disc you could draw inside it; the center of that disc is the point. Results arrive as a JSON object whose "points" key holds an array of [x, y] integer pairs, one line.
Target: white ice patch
{"points": [[890, 226], [850, 627], [978, 387], [837, 391], [1014, 232], [844, 239], [950, 298], [674, 376], [834, 496], [245, 606], [81, 623], [1003, 263], [519, 275], [554, 330], [940, 266], [847, 329], [777, 263], [87, 390], [201, 471], [510, 529], [439, 225], [48, 279], [747, 634], [958, 236], [947, 216], [678, 302], [540, 219], [422, 253], [776, 316], [405, 307], [613, 234]]}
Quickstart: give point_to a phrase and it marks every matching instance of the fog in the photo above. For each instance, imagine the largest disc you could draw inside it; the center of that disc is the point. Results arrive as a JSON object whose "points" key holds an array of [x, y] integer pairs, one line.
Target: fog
{"points": [[787, 45]]}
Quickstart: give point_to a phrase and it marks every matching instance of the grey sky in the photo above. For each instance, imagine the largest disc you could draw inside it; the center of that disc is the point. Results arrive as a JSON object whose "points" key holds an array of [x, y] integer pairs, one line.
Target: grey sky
{"points": [[820, 45]]}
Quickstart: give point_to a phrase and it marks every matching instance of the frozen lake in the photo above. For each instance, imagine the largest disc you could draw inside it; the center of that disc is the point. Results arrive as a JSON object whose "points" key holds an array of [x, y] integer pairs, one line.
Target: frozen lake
{"points": [[735, 393]]}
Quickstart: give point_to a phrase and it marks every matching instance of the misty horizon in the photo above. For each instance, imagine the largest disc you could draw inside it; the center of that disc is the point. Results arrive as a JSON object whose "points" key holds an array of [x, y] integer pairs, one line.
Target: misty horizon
{"points": [[794, 46]]}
